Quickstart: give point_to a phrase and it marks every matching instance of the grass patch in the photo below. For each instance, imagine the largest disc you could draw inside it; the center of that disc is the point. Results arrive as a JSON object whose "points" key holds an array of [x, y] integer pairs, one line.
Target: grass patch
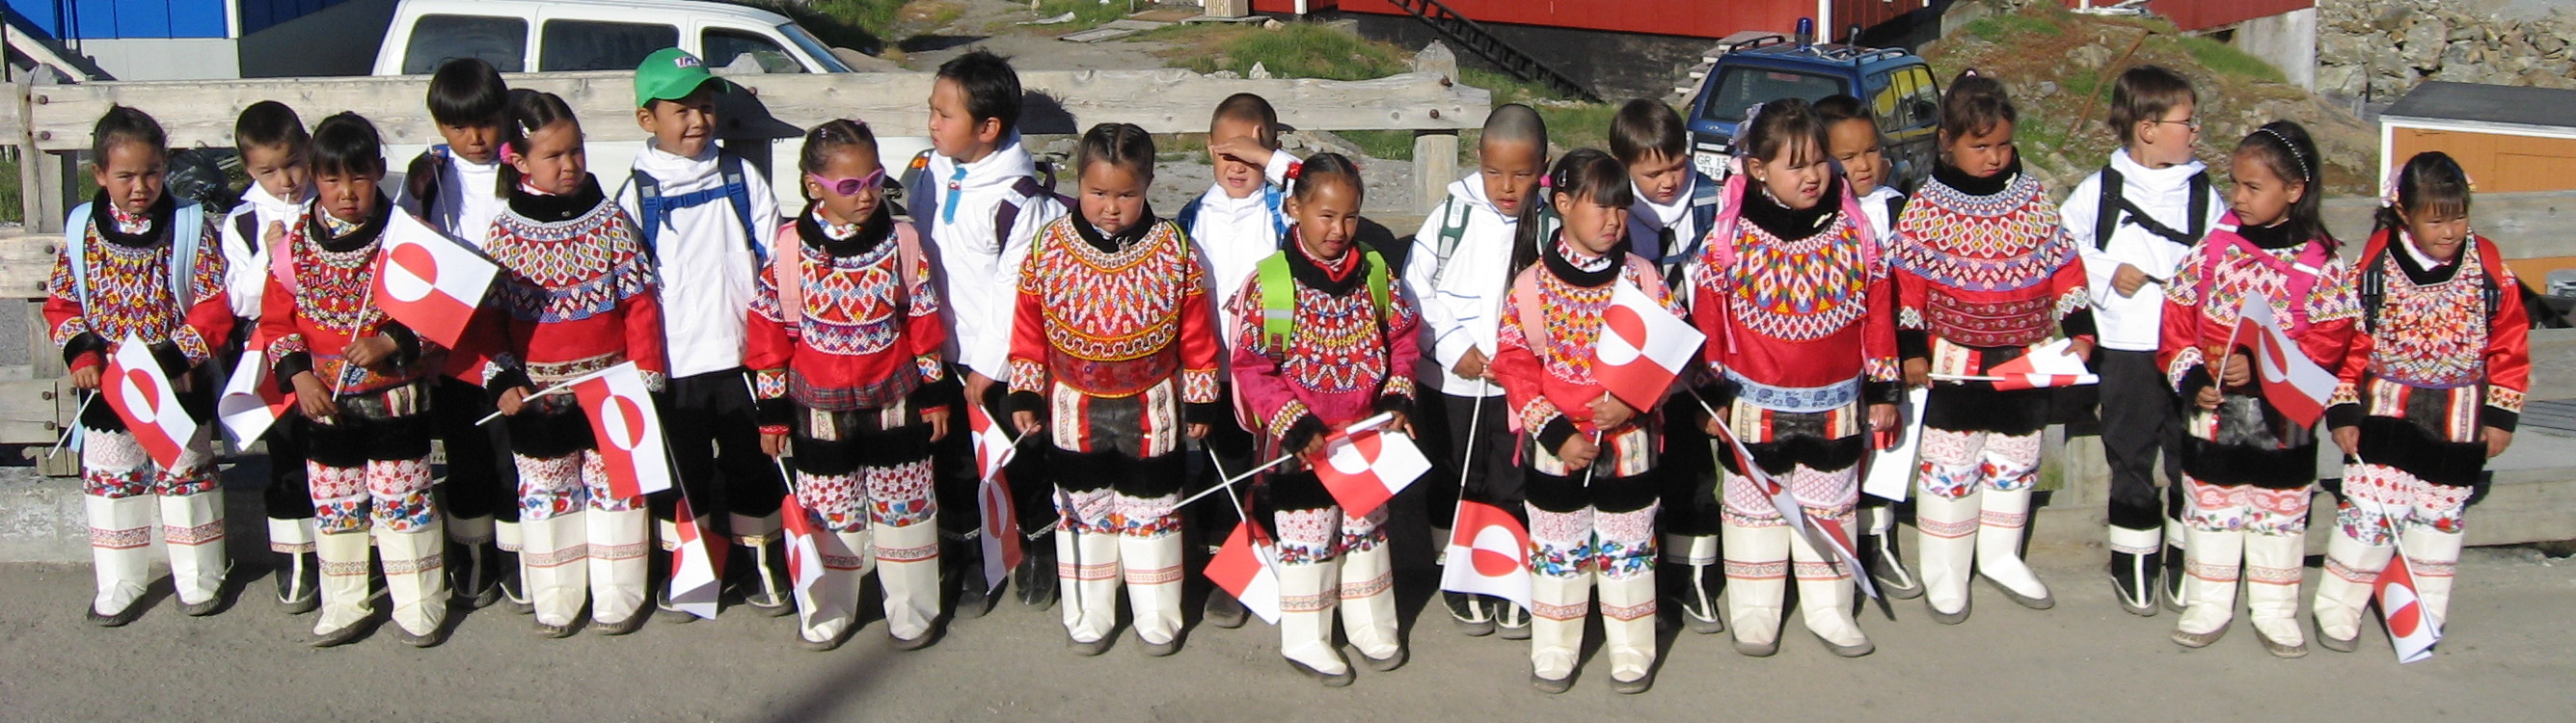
{"points": [[1570, 123], [862, 25], [1302, 50], [12, 205], [2225, 60], [1995, 28]]}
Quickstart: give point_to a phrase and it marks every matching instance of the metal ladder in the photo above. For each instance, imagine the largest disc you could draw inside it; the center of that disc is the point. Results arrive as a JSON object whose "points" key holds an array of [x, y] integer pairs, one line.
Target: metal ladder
{"points": [[1458, 29]]}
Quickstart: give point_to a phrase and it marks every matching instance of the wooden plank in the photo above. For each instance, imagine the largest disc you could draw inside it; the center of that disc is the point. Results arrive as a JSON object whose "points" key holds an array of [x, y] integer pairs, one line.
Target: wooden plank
{"points": [[1435, 165], [31, 413], [201, 113], [26, 262]]}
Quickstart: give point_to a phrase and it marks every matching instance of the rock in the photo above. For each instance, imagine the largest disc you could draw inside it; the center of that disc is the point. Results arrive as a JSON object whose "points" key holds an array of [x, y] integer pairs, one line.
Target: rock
{"points": [[2423, 43], [2392, 19], [2463, 55], [2090, 56], [1436, 58], [1258, 72], [2047, 88], [1226, 74], [2550, 44], [2344, 80], [1273, 24]]}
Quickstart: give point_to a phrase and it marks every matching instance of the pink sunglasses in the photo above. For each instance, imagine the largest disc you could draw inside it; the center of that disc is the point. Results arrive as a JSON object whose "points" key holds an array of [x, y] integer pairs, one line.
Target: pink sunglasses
{"points": [[849, 186]]}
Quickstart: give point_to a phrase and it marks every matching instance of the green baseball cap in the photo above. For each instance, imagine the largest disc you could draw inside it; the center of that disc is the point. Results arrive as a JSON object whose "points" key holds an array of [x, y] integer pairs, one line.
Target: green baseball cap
{"points": [[672, 74]]}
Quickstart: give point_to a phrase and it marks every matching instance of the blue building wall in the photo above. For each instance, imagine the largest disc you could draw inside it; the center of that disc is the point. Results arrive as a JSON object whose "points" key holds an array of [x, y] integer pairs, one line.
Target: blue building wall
{"points": [[138, 19]]}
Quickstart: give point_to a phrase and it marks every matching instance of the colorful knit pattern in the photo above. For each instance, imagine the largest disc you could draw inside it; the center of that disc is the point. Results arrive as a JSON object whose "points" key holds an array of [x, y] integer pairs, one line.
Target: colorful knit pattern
{"points": [[2432, 336], [849, 302], [552, 272], [2379, 501], [129, 293], [1799, 290], [2007, 241], [1107, 307], [2221, 296], [1336, 344], [2244, 508]]}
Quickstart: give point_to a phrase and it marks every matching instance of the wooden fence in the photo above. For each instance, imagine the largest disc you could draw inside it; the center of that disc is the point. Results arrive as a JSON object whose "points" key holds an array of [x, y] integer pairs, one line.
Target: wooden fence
{"points": [[50, 126]]}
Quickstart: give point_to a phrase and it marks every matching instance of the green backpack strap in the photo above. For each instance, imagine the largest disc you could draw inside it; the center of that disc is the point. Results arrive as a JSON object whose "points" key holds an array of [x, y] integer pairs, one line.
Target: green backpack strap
{"points": [[1279, 295]]}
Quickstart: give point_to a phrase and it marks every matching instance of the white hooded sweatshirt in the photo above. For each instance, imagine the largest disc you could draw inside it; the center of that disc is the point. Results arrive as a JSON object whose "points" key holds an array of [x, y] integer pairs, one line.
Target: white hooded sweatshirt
{"points": [[706, 265], [1462, 304], [980, 275]]}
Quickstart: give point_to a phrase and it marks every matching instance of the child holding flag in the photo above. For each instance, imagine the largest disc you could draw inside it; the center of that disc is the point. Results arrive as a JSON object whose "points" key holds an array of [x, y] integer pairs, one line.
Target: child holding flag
{"points": [[2248, 461], [1797, 306], [2431, 388], [1113, 351], [1985, 277], [1592, 498], [845, 348], [368, 424], [1323, 341], [576, 296], [141, 266]]}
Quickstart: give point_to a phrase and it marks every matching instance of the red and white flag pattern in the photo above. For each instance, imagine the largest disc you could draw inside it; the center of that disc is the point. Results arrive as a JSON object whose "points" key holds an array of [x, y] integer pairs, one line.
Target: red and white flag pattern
{"points": [[628, 429], [993, 450], [2411, 631], [251, 401], [1642, 348], [2292, 382], [142, 396], [1366, 465], [1488, 555], [697, 564], [2053, 364], [1243, 568], [428, 281], [804, 557], [1823, 533]]}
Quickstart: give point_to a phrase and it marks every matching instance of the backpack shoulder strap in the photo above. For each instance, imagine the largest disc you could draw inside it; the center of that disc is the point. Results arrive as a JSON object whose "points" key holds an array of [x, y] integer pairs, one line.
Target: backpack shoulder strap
{"points": [[187, 237], [738, 192], [2371, 283], [1006, 216], [1533, 313], [787, 272], [1379, 283], [648, 209], [1188, 218], [2106, 210], [907, 264], [2199, 221], [1278, 301], [1719, 237], [917, 193], [1453, 228], [246, 226], [2492, 277], [76, 240]]}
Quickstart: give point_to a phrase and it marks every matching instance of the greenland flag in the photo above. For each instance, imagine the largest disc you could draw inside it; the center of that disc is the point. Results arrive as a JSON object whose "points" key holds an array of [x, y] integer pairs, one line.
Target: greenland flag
{"points": [[1364, 465], [428, 281], [2292, 382], [696, 565], [1825, 533], [629, 431], [141, 395], [2053, 364], [1242, 567], [804, 557], [1642, 347], [251, 401], [2410, 630], [1488, 555], [993, 496]]}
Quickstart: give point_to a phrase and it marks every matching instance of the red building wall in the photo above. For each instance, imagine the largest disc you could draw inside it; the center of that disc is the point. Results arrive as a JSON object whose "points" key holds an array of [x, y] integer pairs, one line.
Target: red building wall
{"points": [[1695, 18]]}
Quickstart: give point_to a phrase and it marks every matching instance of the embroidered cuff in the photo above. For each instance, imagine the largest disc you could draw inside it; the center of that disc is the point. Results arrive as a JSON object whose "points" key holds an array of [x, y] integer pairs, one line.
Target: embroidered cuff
{"points": [[1287, 415], [1537, 413], [654, 381], [1399, 385], [769, 383], [72, 330], [1198, 386], [191, 346], [2503, 399], [2345, 393], [775, 429], [1027, 376], [930, 368], [2183, 363]]}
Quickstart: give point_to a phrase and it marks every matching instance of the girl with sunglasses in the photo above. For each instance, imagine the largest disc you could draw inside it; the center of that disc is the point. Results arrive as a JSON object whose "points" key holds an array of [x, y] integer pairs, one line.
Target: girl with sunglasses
{"points": [[844, 346]]}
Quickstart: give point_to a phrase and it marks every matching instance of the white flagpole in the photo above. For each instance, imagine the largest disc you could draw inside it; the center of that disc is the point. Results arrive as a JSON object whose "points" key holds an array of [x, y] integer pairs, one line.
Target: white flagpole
{"points": [[74, 429], [558, 388]]}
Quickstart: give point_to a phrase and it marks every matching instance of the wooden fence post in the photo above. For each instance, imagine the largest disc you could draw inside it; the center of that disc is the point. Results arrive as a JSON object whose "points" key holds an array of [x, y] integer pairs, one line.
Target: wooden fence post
{"points": [[1435, 153]]}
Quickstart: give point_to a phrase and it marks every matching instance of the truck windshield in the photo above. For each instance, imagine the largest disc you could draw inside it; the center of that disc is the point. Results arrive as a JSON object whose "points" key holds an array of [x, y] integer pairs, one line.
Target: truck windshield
{"points": [[1740, 88], [814, 46]]}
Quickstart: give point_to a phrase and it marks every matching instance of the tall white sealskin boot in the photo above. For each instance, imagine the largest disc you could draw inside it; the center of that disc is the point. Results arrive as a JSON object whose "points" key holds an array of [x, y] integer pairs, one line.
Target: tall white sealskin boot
{"points": [[1757, 579], [908, 569], [346, 601], [2005, 514], [1307, 594], [1945, 552], [2272, 569], [416, 577], [2209, 597]]}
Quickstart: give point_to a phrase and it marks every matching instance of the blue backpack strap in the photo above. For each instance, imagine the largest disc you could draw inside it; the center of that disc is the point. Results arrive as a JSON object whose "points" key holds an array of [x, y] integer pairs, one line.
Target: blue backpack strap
{"points": [[1188, 218], [919, 198], [738, 193], [1276, 203], [649, 210]]}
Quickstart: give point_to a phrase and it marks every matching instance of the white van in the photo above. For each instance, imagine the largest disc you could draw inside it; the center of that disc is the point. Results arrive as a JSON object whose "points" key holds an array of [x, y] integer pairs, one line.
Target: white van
{"points": [[578, 35], [526, 36]]}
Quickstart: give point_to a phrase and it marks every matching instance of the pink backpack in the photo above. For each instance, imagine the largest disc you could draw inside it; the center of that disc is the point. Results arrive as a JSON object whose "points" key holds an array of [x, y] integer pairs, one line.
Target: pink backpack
{"points": [[787, 270]]}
